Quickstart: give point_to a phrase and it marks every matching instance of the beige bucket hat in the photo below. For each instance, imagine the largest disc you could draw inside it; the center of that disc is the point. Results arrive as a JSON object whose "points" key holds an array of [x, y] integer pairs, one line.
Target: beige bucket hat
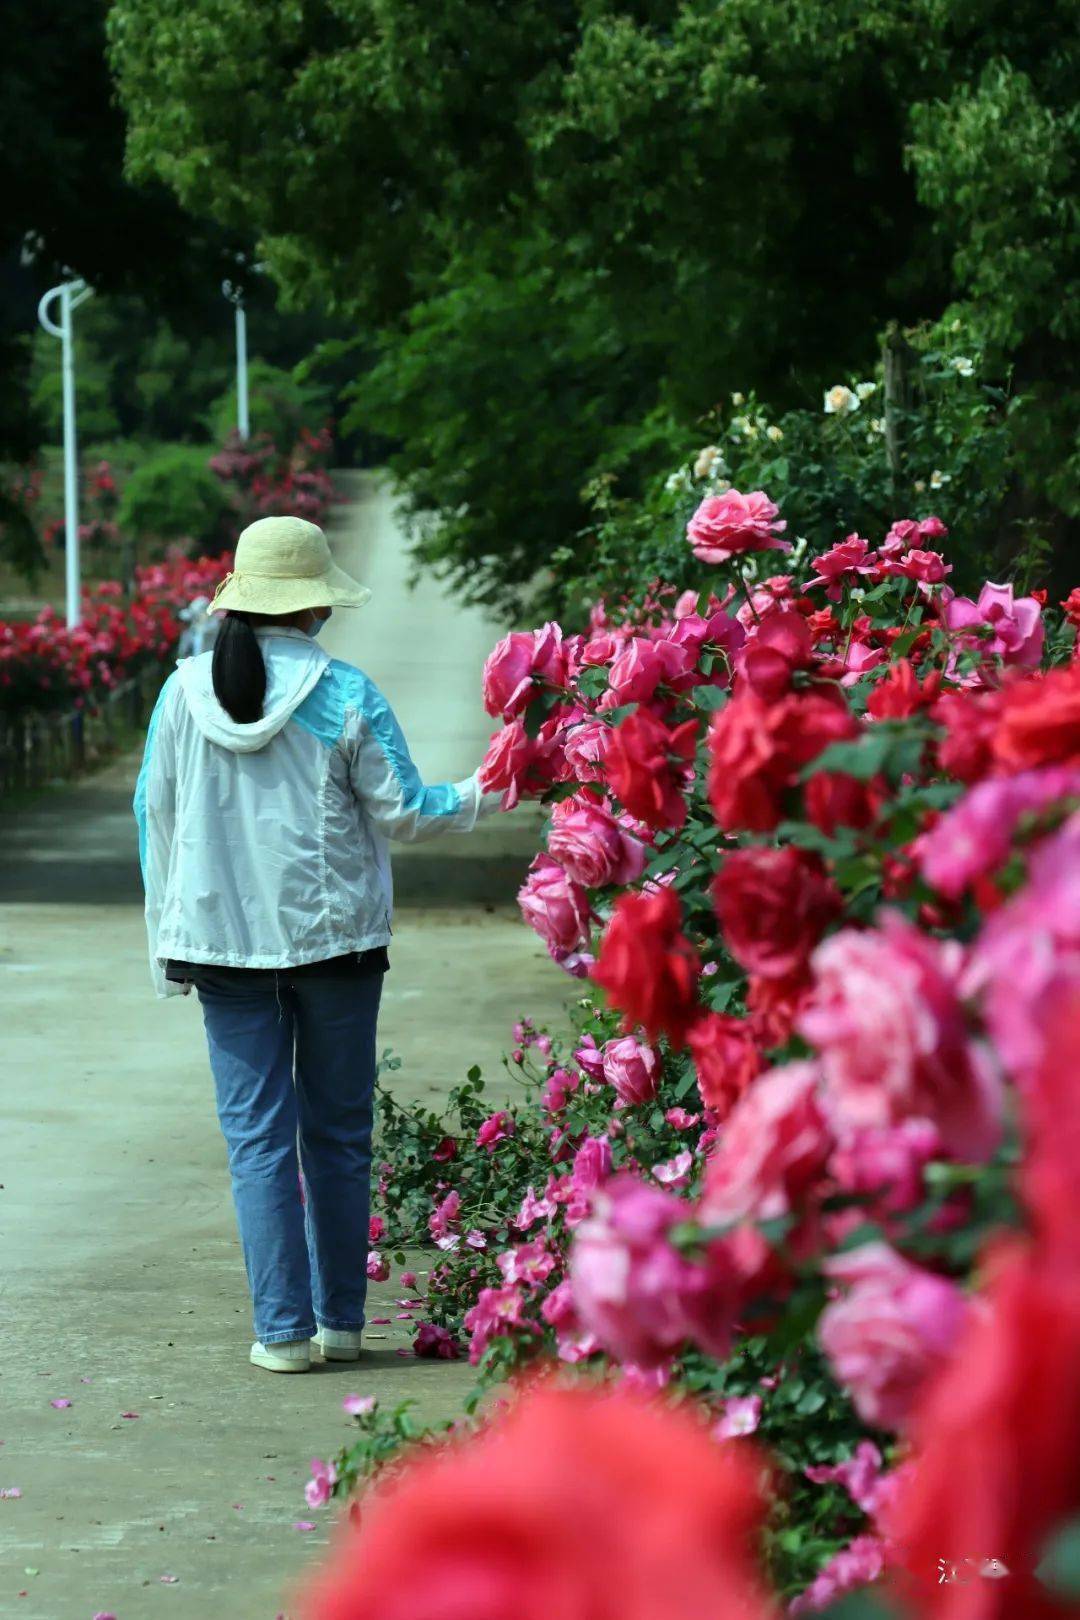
{"points": [[283, 564]]}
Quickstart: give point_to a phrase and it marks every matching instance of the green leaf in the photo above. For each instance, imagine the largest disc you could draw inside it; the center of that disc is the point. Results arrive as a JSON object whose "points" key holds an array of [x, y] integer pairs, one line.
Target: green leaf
{"points": [[862, 759], [710, 698], [1059, 1567], [861, 1606], [688, 1081]]}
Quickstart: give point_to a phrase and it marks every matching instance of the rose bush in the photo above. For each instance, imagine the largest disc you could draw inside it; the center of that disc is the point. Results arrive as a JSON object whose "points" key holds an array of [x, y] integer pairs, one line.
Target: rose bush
{"points": [[814, 859], [45, 668]]}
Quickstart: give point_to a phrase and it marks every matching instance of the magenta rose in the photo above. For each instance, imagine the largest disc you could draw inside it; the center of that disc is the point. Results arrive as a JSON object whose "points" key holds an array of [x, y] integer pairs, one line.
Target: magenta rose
{"points": [[519, 663], [1000, 624], [591, 845], [632, 1068], [506, 765], [495, 1129], [726, 525], [896, 1325], [554, 905], [642, 666]]}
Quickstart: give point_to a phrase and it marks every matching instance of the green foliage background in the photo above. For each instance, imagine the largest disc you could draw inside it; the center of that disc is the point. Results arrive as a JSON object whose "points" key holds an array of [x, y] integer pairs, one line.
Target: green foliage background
{"points": [[571, 227]]}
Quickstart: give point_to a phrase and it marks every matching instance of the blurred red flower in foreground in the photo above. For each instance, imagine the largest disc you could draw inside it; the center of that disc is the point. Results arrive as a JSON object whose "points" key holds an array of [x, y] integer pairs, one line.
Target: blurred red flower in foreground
{"points": [[996, 1466], [576, 1505]]}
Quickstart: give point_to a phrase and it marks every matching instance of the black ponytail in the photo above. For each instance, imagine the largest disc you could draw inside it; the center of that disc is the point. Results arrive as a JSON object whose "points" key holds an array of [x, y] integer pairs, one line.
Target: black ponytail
{"points": [[238, 671]]}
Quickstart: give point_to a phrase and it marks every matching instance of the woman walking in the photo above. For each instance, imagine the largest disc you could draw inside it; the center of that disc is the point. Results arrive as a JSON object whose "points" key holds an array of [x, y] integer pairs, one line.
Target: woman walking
{"points": [[272, 780]]}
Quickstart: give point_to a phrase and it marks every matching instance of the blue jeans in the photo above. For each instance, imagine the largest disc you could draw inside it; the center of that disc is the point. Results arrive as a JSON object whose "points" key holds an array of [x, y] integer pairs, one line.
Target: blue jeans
{"points": [[293, 1058]]}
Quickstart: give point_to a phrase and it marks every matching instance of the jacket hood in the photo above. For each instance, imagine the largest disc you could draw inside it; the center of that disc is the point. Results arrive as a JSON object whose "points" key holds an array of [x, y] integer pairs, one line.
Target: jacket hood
{"points": [[294, 664]]}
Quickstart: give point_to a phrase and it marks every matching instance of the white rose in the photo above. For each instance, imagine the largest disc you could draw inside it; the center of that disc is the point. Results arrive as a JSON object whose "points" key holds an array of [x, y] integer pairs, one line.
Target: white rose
{"points": [[865, 389], [937, 478], [708, 461], [774, 433], [963, 365], [840, 401], [738, 399]]}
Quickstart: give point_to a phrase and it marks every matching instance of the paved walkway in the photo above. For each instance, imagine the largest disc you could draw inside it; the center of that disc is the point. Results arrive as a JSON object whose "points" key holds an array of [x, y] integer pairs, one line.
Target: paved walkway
{"points": [[121, 1266]]}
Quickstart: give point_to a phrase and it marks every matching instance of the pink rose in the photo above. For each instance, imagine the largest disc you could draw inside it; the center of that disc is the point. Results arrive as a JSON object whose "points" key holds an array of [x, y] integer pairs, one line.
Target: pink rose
{"points": [[642, 666], [976, 836], [520, 662], [554, 905], [859, 1564], [632, 1068], [585, 746], [725, 525], [897, 1324], [506, 766], [589, 1058], [495, 1129], [887, 1018], [1015, 625], [886, 1161], [742, 1414], [928, 567], [496, 1312], [635, 1291], [442, 1222], [376, 1229], [590, 1169], [848, 557], [1027, 958], [588, 841], [378, 1267], [773, 1149]]}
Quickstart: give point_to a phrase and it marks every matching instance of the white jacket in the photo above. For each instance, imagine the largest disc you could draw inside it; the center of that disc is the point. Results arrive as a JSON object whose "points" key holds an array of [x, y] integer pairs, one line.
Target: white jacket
{"points": [[265, 845]]}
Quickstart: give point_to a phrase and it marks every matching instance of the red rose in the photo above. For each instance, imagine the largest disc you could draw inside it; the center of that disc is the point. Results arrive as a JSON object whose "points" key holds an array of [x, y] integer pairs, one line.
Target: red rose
{"points": [[773, 1006], [726, 1059], [996, 1464], [901, 693], [1040, 721], [970, 720], [648, 967], [758, 751], [779, 647], [647, 768], [576, 1505], [773, 905], [833, 800], [745, 777]]}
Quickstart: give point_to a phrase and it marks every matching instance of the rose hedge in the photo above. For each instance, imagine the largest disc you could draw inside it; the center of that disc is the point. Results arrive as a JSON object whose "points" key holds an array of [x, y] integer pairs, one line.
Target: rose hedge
{"points": [[45, 668], [807, 1165]]}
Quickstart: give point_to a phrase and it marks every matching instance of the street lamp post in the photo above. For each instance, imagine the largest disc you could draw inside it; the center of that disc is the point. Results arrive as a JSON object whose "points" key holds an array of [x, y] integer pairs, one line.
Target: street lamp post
{"points": [[71, 294], [235, 295]]}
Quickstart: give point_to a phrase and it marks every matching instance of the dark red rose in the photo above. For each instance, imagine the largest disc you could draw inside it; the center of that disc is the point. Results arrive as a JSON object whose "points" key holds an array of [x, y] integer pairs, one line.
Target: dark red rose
{"points": [[774, 905], [648, 967]]}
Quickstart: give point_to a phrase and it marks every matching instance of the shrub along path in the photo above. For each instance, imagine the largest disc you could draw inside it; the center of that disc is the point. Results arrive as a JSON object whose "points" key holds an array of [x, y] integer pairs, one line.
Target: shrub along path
{"points": [[123, 1288]]}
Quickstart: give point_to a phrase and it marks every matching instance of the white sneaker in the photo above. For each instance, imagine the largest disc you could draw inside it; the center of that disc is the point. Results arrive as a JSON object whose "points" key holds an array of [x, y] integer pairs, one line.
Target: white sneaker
{"points": [[337, 1345], [294, 1355]]}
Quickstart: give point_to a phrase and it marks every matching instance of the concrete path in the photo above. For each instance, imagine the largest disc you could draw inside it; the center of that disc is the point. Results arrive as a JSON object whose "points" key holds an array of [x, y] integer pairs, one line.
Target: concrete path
{"points": [[122, 1286]]}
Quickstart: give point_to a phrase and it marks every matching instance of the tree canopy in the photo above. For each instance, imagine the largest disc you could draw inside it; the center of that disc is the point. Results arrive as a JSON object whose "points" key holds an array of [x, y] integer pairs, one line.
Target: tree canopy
{"points": [[559, 219]]}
